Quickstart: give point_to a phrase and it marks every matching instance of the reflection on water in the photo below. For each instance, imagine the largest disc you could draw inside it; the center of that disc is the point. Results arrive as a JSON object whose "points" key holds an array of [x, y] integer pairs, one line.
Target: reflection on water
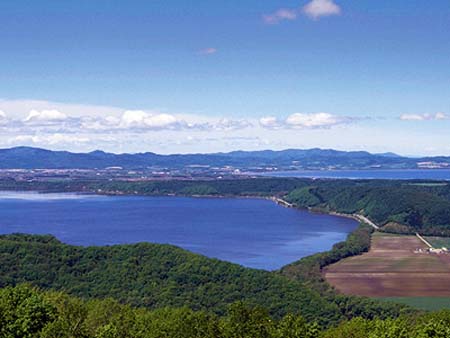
{"points": [[36, 196]]}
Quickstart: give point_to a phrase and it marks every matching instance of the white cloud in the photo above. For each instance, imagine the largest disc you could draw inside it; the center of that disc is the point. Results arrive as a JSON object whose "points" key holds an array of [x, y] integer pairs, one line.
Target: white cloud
{"points": [[208, 51], [45, 116], [3, 118], [321, 8], [305, 121], [142, 119], [425, 117], [99, 124], [413, 117], [316, 120], [161, 121], [314, 9], [229, 124], [280, 15], [133, 118], [442, 116], [270, 122]]}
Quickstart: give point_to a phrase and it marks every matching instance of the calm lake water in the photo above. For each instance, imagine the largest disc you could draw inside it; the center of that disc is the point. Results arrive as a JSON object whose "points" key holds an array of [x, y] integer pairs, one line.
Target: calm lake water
{"points": [[252, 232], [410, 174]]}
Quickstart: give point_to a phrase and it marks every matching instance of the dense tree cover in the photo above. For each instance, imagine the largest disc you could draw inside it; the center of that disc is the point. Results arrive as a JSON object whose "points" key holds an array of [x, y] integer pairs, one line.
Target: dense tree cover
{"points": [[26, 312], [226, 187], [157, 276], [154, 276], [419, 207]]}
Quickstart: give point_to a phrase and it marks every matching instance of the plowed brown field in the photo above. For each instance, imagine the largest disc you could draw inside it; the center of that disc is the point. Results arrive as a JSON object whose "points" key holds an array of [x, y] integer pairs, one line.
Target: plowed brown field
{"points": [[392, 268]]}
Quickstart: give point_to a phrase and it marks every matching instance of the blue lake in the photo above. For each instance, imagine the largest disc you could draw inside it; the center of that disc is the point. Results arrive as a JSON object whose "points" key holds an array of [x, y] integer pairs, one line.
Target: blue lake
{"points": [[392, 174], [252, 232]]}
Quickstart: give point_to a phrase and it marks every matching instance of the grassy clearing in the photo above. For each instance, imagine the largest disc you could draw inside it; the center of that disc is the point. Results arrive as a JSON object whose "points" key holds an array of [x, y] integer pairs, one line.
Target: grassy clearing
{"points": [[439, 242], [422, 303]]}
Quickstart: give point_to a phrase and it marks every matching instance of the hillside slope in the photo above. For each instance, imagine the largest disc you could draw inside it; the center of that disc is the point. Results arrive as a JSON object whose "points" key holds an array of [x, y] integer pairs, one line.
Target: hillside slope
{"points": [[153, 276]]}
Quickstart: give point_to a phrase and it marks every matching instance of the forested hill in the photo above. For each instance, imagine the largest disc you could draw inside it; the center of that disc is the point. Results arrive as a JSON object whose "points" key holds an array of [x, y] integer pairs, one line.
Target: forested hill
{"points": [[32, 158], [153, 276], [158, 276], [404, 207]]}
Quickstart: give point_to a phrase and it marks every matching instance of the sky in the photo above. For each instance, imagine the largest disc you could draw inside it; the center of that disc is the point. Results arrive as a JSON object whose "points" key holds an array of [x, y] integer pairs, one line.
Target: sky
{"points": [[206, 76]]}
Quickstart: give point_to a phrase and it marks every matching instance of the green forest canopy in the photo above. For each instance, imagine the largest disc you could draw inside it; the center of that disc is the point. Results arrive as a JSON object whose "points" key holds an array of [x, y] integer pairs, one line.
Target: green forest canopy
{"points": [[26, 312], [157, 276]]}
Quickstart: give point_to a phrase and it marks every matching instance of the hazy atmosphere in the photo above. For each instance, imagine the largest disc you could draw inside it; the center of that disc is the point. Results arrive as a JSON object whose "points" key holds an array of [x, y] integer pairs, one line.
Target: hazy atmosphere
{"points": [[170, 77]]}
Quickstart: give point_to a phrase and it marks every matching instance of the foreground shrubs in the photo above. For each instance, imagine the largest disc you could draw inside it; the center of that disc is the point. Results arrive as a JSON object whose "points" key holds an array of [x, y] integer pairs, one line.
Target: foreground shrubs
{"points": [[26, 312]]}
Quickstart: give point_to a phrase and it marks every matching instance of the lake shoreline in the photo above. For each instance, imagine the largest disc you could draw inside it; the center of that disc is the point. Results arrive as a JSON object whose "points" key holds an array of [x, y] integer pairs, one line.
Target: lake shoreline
{"points": [[245, 231], [273, 199]]}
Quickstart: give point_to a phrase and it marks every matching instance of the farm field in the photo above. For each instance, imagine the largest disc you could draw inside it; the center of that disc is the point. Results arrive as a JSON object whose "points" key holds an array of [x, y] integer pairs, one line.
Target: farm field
{"points": [[393, 267]]}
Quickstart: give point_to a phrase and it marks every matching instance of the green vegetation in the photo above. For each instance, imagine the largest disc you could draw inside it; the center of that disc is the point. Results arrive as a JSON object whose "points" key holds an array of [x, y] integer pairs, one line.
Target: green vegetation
{"points": [[26, 312], [422, 303], [228, 187], [439, 242], [430, 325], [157, 276], [399, 205], [188, 295], [154, 276]]}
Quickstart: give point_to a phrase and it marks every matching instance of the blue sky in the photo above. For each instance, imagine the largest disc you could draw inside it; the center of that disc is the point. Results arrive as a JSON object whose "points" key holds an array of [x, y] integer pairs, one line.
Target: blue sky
{"points": [[203, 76]]}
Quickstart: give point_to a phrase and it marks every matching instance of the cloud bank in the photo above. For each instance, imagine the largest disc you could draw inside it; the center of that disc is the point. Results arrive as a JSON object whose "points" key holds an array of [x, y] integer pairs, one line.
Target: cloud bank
{"points": [[45, 116], [85, 128], [305, 121], [425, 117]]}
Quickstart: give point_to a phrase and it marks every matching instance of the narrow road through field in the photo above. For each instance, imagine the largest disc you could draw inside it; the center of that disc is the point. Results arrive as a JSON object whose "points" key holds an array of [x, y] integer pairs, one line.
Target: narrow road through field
{"points": [[366, 220]]}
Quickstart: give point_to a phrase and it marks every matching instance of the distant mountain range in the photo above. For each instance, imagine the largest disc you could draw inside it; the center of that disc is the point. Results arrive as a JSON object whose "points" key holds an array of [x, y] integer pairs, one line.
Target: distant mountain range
{"points": [[34, 158]]}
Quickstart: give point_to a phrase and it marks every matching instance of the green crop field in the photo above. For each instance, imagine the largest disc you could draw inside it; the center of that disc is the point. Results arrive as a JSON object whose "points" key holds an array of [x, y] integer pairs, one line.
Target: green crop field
{"points": [[439, 242], [422, 303]]}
